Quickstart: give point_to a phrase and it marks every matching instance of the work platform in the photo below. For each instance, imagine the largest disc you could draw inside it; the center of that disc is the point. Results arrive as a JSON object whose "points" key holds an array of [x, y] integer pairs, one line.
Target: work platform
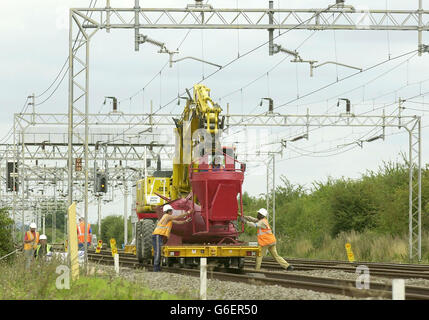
{"points": [[206, 251]]}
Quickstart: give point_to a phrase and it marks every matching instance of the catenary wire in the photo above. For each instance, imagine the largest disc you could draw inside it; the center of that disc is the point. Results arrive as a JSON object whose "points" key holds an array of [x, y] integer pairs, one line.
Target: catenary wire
{"points": [[236, 59]]}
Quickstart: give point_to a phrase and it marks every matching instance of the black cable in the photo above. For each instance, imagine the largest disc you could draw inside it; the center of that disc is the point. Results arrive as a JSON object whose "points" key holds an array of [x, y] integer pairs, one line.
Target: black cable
{"points": [[266, 42], [56, 78], [147, 84], [280, 34], [309, 153], [254, 49], [416, 102], [65, 63], [253, 81], [345, 78], [55, 90], [7, 136], [163, 67], [323, 87], [327, 150], [420, 110]]}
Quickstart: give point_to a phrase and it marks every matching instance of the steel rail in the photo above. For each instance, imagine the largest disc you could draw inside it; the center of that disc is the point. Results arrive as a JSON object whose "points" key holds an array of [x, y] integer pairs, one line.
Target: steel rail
{"points": [[290, 280], [380, 272], [389, 265]]}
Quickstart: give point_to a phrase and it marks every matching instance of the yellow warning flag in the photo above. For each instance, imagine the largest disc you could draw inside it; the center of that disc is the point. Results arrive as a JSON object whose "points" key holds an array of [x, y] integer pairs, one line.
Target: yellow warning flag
{"points": [[99, 246], [113, 247], [350, 254]]}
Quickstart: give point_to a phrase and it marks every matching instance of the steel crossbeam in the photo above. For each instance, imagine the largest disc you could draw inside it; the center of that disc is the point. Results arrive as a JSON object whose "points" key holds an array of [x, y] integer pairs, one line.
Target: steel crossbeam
{"points": [[346, 18]]}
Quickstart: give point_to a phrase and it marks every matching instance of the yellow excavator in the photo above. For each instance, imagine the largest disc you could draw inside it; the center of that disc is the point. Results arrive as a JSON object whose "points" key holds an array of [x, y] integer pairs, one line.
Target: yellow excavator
{"points": [[200, 114]]}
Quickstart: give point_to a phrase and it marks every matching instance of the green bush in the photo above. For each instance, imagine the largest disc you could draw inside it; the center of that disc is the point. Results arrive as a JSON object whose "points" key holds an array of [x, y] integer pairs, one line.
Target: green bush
{"points": [[6, 225], [113, 227], [39, 283], [319, 219]]}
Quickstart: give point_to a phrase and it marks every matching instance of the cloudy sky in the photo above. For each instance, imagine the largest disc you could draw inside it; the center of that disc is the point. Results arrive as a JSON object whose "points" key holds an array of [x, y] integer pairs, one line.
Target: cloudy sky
{"points": [[34, 42]]}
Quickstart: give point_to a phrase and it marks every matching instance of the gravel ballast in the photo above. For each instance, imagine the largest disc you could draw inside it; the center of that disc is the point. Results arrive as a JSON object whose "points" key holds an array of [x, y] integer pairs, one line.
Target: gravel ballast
{"points": [[352, 276], [189, 287]]}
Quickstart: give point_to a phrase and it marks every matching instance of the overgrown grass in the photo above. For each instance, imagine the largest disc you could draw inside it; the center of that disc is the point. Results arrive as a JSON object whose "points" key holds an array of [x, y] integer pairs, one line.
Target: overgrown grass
{"points": [[372, 213], [39, 283], [367, 246]]}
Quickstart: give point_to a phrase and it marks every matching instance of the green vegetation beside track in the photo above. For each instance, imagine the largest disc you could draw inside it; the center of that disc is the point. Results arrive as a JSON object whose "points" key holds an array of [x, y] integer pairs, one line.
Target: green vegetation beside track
{"points": [[40, 282], [370, 212], [6, 225]]}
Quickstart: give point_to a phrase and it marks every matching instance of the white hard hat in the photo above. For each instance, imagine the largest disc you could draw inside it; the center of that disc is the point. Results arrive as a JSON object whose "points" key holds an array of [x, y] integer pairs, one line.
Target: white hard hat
{"points": [[33, 225], [167, 207], [263, 211], [43, 237]]}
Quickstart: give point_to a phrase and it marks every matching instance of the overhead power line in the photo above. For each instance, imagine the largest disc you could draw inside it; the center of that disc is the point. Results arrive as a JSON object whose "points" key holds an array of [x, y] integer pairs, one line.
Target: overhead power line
{"points": [[92, 4], [55, 90], [303, 152], [162, 68], [238, 58], [55, 80], [343, 79], [9, 133]]}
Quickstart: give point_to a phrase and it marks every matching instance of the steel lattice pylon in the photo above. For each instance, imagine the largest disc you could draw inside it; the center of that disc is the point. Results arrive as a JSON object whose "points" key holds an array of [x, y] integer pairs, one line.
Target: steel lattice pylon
{"points": [[271, 190], [415, 191]]}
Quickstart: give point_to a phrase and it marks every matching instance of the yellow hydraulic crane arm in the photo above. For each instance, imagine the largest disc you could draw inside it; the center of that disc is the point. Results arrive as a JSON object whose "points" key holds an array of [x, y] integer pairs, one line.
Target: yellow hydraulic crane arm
{"points": [[206, 108], [200, 112]]}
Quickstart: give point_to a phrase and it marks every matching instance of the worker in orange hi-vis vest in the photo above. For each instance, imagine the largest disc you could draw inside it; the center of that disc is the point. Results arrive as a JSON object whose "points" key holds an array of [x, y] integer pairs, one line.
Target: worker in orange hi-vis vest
{"points": [[81, 234], [162, 232], [266, 239], [31, 240]]}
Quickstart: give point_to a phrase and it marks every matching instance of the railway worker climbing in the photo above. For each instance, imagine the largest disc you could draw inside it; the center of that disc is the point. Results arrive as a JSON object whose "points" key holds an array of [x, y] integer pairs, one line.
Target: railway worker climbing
{"points": [[217, 163], [31, 240], [43, 250], [266, 239], [81, 234], [162, 232]]}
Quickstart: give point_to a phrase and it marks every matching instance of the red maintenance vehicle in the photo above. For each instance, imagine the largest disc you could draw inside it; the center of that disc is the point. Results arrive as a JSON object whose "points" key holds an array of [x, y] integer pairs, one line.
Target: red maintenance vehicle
{"points": [[206, 180]]}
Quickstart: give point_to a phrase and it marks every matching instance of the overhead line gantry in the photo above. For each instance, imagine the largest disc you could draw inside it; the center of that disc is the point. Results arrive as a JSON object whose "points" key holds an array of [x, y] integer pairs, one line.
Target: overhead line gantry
{"points": [[87, 21]]}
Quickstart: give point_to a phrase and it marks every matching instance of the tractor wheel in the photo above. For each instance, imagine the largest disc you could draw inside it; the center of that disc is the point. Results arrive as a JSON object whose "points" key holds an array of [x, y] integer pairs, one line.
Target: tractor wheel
{"points": [[144, 231], [182, 262], [227, 263], [138, 241], [168, 262], [240, 263]]}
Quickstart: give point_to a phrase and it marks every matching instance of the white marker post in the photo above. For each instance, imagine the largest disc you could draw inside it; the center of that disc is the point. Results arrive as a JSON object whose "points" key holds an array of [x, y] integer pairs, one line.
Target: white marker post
{"points": [[398, 289], [116, 259], [203, 278]]}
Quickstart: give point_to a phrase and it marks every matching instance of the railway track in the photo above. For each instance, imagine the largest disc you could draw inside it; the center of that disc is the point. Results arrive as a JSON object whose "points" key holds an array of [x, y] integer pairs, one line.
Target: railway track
{"points": [[387, 270], [270, 277]]}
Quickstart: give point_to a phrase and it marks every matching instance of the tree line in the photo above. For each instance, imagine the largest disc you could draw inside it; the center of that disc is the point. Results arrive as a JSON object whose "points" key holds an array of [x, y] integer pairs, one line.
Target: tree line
{"points": [[378, 202]]}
